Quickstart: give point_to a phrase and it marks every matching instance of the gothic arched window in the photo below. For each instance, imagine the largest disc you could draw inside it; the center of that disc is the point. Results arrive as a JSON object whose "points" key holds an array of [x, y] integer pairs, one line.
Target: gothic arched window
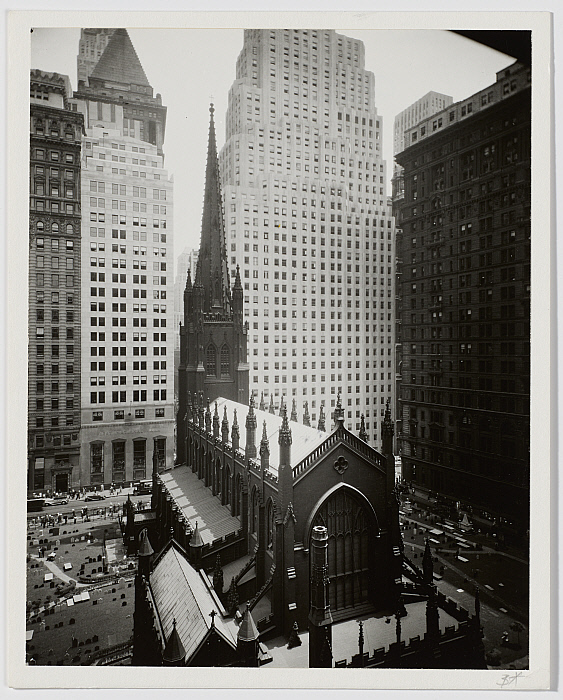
{"points": [[211, 361], [225, 361], [351, 528]]}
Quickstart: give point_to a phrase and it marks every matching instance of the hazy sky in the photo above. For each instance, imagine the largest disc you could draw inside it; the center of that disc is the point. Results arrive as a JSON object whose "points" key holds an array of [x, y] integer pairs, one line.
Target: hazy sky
{"points": [[189, 67]]}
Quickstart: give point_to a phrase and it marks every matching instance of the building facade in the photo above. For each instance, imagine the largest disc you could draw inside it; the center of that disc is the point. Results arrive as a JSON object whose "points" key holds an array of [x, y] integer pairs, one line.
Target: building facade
{"points": [[423, 108], [127, 282], [466, 303], [308, 222], [54, 286]]}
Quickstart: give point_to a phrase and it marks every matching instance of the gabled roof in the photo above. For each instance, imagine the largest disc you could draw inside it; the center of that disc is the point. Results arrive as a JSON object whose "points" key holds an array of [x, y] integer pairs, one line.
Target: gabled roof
{"points": [[119, 62], [180, 594], [305, 439]]}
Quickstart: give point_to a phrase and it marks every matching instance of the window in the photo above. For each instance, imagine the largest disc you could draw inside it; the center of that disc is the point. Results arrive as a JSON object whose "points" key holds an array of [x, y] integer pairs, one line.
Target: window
{"points": [[97, 460], [225, 361], [211, 361], [139, 457], [118, 460]]}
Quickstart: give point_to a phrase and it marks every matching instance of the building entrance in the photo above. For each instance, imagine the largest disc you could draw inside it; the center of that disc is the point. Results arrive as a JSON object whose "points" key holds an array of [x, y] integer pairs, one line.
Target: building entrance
{"points": [[61, 483]]}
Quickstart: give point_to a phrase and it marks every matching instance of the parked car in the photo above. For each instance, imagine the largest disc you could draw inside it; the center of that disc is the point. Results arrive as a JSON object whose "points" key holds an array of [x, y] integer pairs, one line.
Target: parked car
{"points": [[95, 497], [60, 501]]}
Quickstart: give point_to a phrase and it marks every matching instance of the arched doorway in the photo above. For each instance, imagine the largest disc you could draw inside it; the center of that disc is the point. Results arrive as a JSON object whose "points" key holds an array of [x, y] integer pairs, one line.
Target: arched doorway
{"points": [[352, 528]]}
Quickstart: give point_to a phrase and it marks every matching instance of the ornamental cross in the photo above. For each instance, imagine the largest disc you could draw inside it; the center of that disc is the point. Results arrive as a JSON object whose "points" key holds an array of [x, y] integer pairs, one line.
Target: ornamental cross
{"points": [[212, 616]]}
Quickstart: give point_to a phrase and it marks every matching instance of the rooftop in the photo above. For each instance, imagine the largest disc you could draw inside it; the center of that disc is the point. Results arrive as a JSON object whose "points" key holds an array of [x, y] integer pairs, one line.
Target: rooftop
{"points": [[304, 438], [197, 502], [180, 595]]}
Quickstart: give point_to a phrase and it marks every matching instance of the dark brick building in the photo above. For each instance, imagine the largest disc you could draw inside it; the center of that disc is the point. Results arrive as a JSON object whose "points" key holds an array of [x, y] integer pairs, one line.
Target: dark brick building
{"points": [[54, 285], [465, 283]]}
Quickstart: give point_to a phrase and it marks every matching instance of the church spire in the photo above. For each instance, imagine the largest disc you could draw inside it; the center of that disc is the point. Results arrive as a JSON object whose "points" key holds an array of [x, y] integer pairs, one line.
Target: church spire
{"points": [[212, 272]]}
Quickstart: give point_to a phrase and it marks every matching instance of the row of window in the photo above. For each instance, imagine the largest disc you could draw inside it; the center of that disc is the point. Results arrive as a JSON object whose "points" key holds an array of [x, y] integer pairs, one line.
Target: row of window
{"points": [[54, 156], [122, 366], [98, 416]]}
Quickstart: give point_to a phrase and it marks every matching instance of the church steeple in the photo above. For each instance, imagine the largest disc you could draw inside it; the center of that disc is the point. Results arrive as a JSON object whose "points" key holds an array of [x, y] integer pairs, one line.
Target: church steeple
{"points": [[212, 272]]}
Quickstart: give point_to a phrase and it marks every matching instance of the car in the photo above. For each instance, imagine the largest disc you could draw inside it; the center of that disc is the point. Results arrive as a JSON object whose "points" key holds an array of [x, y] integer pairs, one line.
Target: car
{"points": [[60, 501], [95, 497]]}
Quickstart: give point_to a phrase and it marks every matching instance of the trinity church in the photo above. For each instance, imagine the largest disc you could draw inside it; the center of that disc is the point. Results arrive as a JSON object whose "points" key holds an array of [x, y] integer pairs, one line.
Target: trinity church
{"points": [[267, 526]]}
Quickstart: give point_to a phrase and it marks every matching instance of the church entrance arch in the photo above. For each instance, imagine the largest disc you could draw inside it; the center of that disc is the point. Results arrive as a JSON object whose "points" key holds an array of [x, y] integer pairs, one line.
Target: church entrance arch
{"points": [[352, 527]]}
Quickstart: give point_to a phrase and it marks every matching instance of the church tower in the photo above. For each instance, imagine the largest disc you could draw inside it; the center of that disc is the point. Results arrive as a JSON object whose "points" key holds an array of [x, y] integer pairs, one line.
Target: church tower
{"points": [[214, 335]]}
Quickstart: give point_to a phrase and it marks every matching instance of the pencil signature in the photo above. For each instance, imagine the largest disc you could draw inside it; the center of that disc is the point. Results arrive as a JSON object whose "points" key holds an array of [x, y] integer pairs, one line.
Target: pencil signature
{"points": [[509, 679]]}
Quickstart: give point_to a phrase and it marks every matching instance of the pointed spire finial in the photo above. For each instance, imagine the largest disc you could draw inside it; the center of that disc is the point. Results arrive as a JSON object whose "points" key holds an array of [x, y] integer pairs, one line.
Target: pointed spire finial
{"points": [[293, 416], [339, 411], [321, 425], [363, 434], [264, 447], [282, 406], [196, 540], [271, 408], [285, 431], [306, 416], [261, 407]]}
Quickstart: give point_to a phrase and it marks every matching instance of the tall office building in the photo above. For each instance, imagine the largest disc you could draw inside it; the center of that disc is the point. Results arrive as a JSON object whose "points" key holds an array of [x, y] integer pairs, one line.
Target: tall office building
{"points": [[423, 108], [307, 220], [90, 49], [54, 286], [466, 302], [127, 281]]}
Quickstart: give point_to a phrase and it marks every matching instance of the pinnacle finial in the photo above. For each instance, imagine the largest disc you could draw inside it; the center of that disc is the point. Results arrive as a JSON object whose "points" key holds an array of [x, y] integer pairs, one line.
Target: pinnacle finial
{"points": [[321, 425], [261, 406], [293, 416], [339, 411], [363, 434], [285, 430], [271, 408], [306, 416]]}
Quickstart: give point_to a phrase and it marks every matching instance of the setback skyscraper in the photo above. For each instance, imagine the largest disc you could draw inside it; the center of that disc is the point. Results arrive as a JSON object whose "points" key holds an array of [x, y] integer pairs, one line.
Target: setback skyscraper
{"points": [[307, 220], [127, 280]]}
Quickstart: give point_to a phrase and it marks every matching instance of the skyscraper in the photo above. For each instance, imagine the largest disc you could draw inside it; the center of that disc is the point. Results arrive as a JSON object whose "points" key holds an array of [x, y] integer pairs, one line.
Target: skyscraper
{"points": [[127, 280], [54, 286], [90, 49], [423, 108], [466, 302], [308, 222]]}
